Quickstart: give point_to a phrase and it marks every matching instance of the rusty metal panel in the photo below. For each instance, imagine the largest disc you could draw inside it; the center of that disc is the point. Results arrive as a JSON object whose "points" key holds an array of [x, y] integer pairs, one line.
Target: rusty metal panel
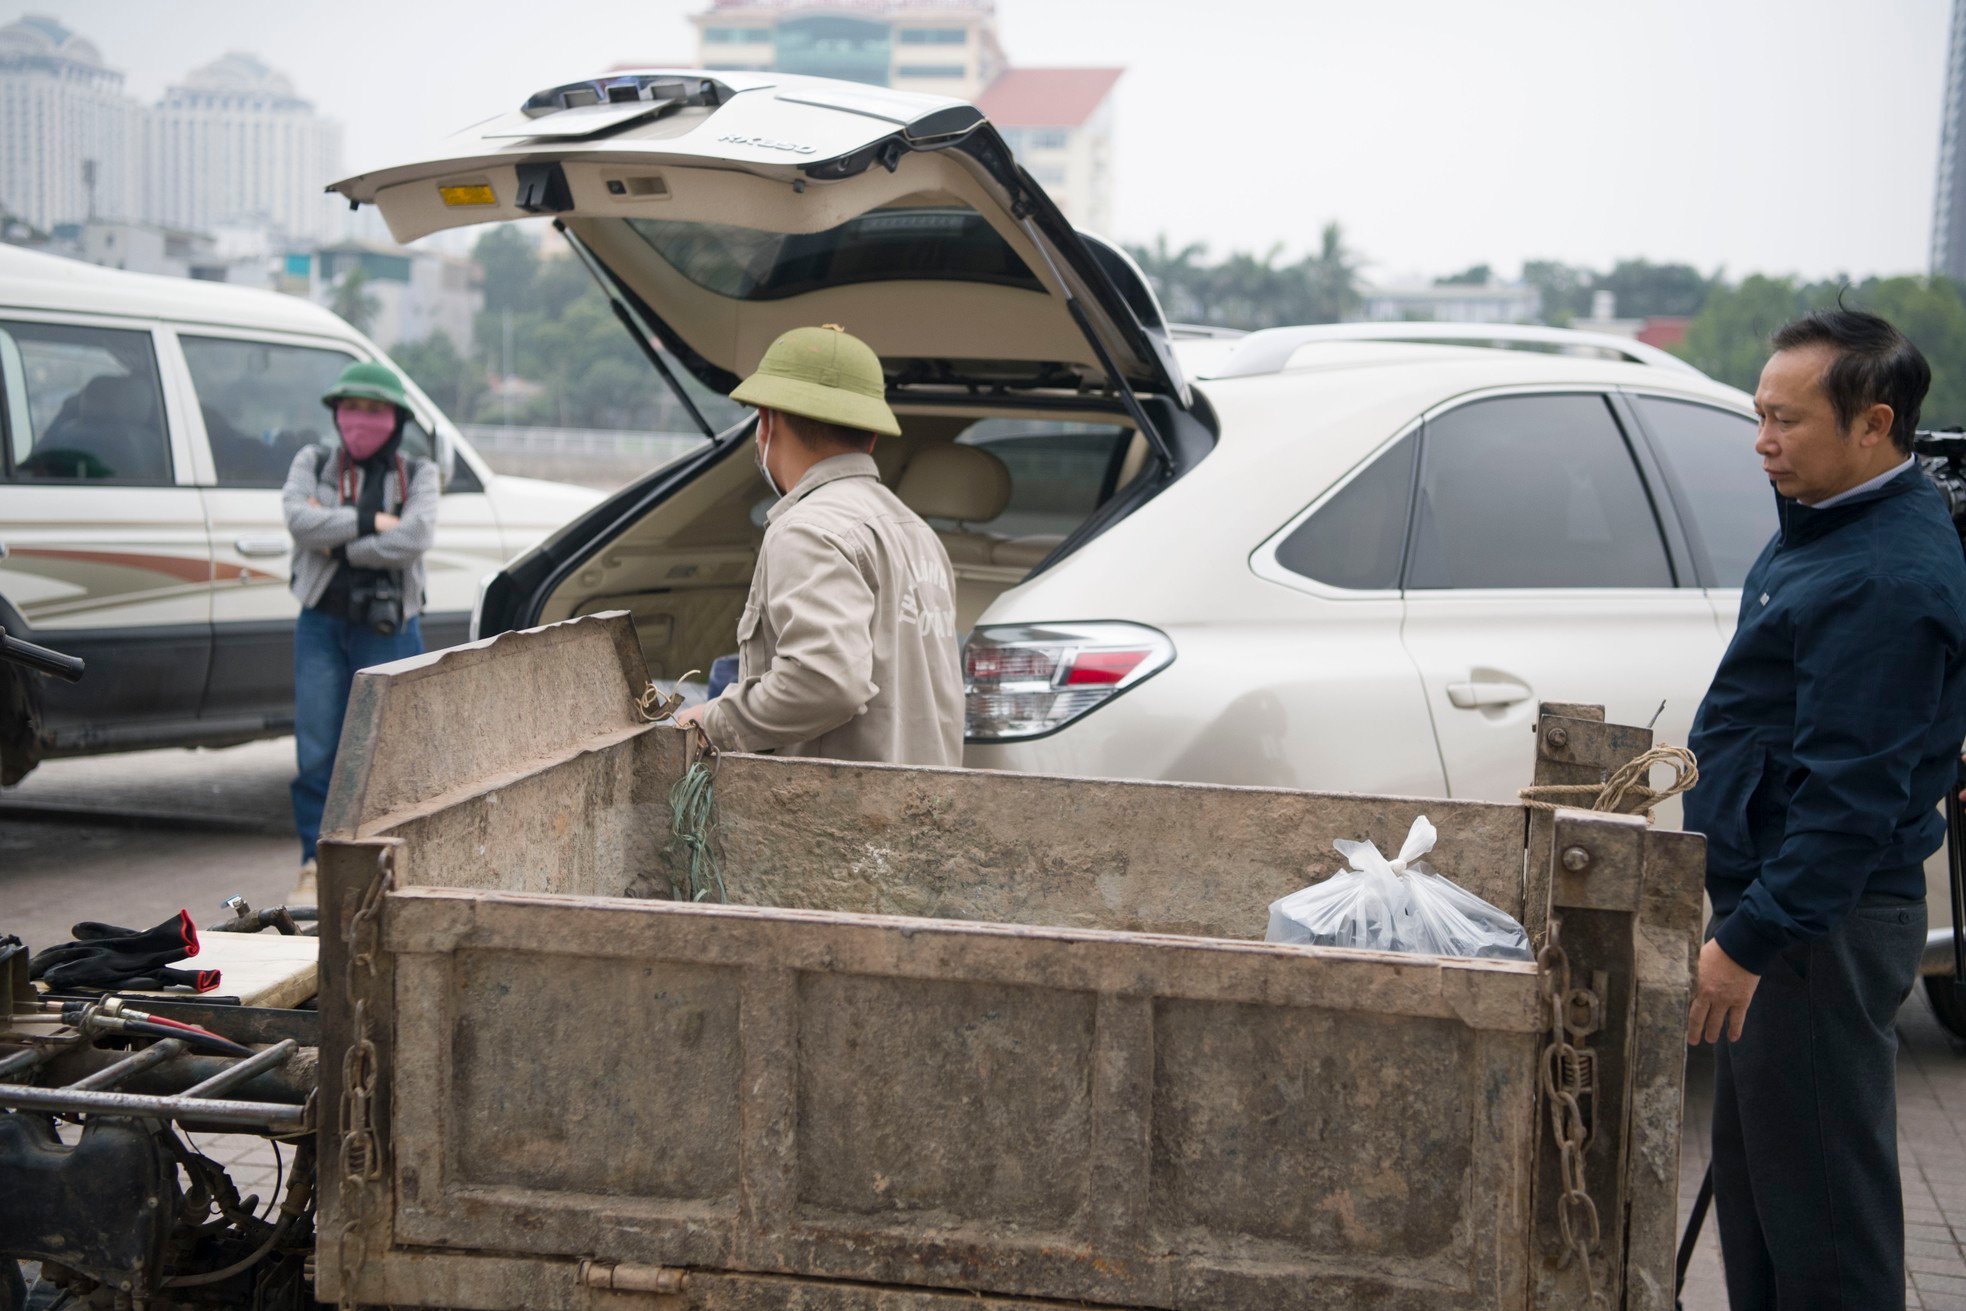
{"points": [[951, 1105], [981, 1036]]}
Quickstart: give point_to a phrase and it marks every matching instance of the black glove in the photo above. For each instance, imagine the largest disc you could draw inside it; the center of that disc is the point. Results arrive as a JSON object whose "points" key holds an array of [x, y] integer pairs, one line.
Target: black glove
{"points": [[108, 972], [107, 956]]}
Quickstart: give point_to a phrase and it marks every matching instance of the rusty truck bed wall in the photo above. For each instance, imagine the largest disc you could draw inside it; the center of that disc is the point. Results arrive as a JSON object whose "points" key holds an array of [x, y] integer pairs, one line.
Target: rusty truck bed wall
{"points": [[961, 1038]]}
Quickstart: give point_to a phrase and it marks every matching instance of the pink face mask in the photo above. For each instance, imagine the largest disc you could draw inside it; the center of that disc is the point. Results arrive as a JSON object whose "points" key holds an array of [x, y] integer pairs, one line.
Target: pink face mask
{"points": [[364, 432]]}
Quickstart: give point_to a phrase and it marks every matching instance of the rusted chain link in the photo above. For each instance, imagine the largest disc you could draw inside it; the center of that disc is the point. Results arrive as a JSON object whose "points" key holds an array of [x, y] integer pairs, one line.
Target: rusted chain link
{"points": [[1569, 1077], [1627, 790], [361, 1153]]}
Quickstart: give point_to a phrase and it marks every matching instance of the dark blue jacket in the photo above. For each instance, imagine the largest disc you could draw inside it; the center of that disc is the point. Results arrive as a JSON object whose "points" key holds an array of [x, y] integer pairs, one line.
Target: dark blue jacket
{"points": [[1833, 725]]}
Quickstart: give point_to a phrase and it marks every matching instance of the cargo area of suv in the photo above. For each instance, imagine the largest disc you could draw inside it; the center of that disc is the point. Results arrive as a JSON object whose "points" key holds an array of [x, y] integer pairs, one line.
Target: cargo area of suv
{"points": [[1003, 493]]}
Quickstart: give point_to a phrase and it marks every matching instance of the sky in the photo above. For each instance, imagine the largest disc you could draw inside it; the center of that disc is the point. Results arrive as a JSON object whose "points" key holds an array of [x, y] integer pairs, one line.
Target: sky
{"points": [[1779, 136]]}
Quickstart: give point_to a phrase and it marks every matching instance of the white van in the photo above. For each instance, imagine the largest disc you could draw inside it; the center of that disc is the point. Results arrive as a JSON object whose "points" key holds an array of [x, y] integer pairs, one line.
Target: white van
{"points": [[146, 426]]}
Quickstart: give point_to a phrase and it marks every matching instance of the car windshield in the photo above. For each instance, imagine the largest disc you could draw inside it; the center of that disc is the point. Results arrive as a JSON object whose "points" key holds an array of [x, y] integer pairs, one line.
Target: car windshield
{"points": [[951, 244]]}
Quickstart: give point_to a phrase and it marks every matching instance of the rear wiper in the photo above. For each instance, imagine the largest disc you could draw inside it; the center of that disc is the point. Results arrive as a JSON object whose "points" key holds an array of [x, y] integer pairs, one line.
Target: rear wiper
{"points": [[643, 336]]}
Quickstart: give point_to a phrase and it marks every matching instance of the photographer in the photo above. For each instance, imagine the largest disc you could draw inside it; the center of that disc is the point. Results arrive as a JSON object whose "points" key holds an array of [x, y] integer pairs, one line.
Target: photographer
{"points": [[361, 516]]}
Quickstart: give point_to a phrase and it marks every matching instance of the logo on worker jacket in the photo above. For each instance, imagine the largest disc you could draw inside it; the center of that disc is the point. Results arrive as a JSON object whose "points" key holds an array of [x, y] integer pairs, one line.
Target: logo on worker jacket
{"points": [[928, 602]]}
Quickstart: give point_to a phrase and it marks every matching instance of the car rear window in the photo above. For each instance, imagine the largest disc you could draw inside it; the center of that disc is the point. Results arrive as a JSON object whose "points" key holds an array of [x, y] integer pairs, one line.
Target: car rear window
{"points": [[1059, 472], [944, 244]]}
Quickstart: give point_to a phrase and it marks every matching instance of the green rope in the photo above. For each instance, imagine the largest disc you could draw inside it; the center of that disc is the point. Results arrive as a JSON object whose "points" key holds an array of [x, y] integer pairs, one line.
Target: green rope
{"points": [[693, 805]]}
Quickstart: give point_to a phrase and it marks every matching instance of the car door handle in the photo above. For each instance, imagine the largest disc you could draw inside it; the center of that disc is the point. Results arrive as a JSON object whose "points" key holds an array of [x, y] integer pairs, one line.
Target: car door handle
{"points": [[1469, 696], [263, 544]]}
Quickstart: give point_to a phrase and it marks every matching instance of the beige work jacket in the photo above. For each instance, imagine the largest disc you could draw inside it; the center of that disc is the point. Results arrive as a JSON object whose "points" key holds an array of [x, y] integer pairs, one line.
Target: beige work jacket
{"points": [[847, 647]]}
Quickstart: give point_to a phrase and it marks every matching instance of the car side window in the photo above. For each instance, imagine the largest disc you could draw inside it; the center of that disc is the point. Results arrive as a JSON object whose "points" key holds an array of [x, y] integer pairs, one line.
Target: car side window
{"points": [[83, 405], [1059, 472], [1533, 491], [1717, 483], [262, 403], [1356, 538]]}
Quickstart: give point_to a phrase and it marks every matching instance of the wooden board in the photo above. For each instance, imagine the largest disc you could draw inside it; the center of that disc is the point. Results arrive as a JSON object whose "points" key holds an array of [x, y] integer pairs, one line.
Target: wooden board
{"points": [[260, 969]]}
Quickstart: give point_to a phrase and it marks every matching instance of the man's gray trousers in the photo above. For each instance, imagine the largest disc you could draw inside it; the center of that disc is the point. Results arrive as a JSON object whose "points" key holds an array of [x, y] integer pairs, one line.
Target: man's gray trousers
{"points": [[1805, 1119]]}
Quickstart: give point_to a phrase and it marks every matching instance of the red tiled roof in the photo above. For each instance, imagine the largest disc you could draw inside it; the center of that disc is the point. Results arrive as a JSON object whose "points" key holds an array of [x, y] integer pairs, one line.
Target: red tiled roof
{"points": [[1047, 97], [1664, 332]]}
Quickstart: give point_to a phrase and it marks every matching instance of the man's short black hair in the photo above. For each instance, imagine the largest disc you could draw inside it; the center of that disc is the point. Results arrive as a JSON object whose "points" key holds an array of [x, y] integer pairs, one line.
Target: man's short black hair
{"points": [[1875, 364], [817, 434]]}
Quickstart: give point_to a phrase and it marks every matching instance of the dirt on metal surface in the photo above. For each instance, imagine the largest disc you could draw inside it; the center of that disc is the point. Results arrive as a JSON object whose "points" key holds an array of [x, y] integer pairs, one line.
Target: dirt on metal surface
{"points": [[963, 1035]]}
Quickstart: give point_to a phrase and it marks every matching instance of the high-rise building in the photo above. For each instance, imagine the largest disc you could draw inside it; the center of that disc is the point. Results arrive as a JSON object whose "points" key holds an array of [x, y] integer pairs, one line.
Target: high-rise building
{"points": [[1949, 204], [1058, 121], [69, 137], [234, 144]]}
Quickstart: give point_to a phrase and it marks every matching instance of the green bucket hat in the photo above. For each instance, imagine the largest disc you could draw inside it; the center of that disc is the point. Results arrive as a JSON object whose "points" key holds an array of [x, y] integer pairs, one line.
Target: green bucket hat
{"points": [[822, 373], [377, 382]]}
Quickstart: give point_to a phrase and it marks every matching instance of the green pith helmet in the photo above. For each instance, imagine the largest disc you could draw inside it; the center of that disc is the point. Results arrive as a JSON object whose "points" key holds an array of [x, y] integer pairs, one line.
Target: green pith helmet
{"points": [[377, 382], [825, 374]]}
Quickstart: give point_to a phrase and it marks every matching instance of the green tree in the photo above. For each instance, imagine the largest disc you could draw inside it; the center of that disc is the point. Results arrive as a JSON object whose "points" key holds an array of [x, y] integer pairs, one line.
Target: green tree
{"points": [[1176, 277], [1479, 275], [1728, 338], [446, 376], [1331, 276], [1932, 312], [1647, 290], [1565, 289], [354, 302], [510, 262]]}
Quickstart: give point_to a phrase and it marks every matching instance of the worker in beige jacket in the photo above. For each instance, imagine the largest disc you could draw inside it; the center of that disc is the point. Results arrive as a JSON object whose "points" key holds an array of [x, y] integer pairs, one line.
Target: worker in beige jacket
{"points": [[847, 647]]}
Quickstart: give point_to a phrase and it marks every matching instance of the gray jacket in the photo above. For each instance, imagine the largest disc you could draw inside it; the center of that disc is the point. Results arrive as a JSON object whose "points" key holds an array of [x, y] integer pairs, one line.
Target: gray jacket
{"points": [[848, 646], [318, 529]]}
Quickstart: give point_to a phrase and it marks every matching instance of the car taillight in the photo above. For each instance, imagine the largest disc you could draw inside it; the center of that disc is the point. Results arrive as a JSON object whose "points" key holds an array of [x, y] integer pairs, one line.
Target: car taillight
{"points": [[1026, 680]]}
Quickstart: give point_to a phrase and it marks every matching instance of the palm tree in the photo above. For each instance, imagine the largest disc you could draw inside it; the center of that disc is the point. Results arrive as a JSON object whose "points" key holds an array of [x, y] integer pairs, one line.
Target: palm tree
{"points": [[1332, 275]]}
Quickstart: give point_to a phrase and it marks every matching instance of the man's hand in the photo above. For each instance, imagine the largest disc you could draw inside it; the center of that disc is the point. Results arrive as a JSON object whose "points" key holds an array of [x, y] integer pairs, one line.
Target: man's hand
{"points": [[1720, 998], [384, 522], [692, 717]]}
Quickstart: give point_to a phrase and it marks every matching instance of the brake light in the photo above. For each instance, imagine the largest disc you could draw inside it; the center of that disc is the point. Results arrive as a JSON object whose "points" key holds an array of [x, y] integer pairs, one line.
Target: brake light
{"points": [[1027, 680]]}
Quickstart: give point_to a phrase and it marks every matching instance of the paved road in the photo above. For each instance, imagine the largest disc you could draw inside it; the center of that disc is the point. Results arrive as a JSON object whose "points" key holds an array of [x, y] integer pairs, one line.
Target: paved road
{"points": [[133, 838]]}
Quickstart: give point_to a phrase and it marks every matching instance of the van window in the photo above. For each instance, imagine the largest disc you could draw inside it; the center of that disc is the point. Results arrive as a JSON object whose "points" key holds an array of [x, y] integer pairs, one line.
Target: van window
{"points": [[262, 403], [83, 405]]}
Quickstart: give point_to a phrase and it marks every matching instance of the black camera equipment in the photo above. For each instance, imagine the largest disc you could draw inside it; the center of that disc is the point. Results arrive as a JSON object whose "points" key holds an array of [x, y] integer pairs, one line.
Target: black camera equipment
{"points": [[375, 601], [1942, 454]]}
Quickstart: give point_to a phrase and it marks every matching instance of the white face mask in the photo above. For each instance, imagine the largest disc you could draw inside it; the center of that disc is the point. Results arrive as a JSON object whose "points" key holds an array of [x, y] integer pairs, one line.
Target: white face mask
{"points": [[764, 461]]}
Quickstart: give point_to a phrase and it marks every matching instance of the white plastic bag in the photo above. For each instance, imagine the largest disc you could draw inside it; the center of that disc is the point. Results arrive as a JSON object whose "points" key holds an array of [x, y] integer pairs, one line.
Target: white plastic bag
{"points": [[1398, 906]]}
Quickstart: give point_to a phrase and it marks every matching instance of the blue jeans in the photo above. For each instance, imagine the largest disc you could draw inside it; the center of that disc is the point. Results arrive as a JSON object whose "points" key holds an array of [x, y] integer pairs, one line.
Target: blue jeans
{"points": [[327, 652]]}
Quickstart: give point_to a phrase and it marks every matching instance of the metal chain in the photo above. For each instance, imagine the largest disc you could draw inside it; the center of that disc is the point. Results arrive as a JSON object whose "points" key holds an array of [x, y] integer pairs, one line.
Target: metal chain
{"points": [[1569, 1076], [361, 1156]]}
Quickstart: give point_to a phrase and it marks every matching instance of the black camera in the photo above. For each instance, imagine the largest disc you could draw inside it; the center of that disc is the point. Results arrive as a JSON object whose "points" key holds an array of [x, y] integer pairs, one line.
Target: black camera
{"points": [[375, 601], [1943, 456]]}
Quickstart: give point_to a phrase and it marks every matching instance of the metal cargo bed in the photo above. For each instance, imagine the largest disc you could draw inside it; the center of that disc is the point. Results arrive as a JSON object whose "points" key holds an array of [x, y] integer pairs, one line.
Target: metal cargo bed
{"points": [[960, 1039]]}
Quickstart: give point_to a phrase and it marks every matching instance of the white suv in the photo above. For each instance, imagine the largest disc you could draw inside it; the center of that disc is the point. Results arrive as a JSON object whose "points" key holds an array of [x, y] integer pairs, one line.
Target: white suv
{"points": [[146, 425], [1346, 558]]}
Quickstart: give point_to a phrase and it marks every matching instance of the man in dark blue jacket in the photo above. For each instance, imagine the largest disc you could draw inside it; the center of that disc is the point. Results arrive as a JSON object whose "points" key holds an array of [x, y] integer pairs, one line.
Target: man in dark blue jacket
{"points": [[1826, 743]]}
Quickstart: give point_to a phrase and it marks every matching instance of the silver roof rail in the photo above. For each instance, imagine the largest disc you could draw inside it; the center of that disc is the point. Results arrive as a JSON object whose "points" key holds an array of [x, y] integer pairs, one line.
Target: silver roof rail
{"points": [[1269, 351]]}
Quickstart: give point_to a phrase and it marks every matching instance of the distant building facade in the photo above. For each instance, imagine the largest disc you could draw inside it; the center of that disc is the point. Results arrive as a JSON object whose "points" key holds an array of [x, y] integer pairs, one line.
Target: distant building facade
{"points": [[1949, 202], [1451, 302], [70, 139], [232, 144], [1058, 121], [415, 292]]}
